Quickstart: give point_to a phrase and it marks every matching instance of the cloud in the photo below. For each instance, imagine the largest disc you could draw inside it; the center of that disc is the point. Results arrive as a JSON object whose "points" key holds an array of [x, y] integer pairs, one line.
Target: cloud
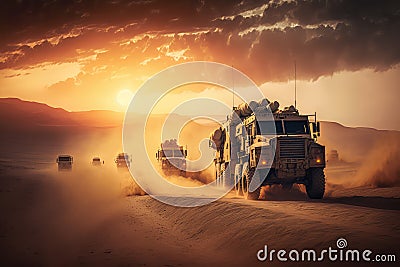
{"points": [[261, 39]]}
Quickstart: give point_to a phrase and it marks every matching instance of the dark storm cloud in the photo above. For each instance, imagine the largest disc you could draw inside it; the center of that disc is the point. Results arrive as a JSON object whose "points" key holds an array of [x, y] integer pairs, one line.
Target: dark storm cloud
{"points": [[322, 36], [40, 17]]}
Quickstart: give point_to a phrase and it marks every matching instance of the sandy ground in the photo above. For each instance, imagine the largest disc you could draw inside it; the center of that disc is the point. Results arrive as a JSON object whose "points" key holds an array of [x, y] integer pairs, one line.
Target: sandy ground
{"points": [[92, 217]]}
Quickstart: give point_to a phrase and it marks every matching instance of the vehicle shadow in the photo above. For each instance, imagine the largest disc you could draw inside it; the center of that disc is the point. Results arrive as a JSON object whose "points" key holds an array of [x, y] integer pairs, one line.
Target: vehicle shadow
{"points": [[383, 203], [369, 202], [297, 194]]}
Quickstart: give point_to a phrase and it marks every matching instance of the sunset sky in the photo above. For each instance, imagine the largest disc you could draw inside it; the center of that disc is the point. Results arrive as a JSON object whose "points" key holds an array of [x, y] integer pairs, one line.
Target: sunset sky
{"points": [[85, 55]]}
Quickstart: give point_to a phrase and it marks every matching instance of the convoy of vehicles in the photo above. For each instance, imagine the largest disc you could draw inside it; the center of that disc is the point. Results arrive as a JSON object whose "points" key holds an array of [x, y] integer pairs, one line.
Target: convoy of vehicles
{"points": [[245, 152], [276, 147], [172, 158]]}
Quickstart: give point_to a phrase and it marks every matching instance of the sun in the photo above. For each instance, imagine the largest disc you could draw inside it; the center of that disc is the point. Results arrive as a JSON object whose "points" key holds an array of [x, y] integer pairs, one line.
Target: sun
{"points": [[124, 97]]}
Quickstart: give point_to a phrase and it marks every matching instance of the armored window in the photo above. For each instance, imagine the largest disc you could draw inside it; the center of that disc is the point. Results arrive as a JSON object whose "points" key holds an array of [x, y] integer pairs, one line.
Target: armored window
{"points": [[267, 127], [64, 158], [296, 127]]}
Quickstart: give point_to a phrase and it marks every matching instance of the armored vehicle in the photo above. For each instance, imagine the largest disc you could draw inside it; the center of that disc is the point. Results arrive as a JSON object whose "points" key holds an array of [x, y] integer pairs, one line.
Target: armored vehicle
{"points": [[284, 152], [96, 161], [123, 160], [333, 156], [172, 158], [64, 162]]}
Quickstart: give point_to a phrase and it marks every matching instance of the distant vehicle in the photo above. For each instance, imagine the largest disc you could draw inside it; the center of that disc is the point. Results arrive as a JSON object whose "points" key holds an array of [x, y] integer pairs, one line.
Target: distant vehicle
{"points": [[172, 158], [64, 162], [123, 160], [333, 156], [96, 161]]}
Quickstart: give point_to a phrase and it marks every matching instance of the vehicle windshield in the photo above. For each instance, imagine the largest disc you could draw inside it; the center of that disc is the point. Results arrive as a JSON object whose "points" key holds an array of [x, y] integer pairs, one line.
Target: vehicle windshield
{"points": [[64, 158], [296, 127], [288, 127], [97, 159], [173, 153], [267, 127], [122, 157]]}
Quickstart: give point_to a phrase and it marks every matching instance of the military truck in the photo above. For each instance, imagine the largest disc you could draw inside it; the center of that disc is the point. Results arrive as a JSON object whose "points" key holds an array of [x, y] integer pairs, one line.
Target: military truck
{"points": [[123, 160], [96, 161], [172, 158], [64, 162], [245, 152]]}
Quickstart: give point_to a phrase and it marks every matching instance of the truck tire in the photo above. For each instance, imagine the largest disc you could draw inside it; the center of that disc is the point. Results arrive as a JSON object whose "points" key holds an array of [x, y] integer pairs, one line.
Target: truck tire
{"points": [[247, 175], [315, 186]]}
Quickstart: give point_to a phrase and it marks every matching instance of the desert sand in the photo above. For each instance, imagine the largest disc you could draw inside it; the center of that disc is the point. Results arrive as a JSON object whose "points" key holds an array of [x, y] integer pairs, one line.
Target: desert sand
{"points": [[97, 216], [92, 216]]}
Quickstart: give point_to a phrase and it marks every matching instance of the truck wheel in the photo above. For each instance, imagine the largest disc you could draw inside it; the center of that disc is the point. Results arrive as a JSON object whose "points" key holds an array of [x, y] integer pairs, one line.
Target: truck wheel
{"points": [[315, 186], [245, 186]]}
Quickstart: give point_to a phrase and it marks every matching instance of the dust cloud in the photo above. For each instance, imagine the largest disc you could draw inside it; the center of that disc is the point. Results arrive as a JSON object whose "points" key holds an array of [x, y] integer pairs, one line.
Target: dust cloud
{"points": [[367, 157], [190, 136], [381, 167], [279, 192]]}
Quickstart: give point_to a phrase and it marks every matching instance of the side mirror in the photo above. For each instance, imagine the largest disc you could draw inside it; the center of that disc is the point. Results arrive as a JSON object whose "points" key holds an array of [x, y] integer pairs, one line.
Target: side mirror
{"points": [[156, 155], [185, 153], [318, 127]]}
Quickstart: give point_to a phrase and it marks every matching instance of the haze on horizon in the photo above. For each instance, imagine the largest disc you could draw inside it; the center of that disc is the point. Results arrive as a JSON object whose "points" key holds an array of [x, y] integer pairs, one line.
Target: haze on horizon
{"points": [[86, 55]]}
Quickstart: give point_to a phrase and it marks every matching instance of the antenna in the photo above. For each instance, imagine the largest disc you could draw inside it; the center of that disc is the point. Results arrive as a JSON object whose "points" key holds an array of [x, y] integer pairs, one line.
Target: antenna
{"points": [[295, 87], [233, 90]]}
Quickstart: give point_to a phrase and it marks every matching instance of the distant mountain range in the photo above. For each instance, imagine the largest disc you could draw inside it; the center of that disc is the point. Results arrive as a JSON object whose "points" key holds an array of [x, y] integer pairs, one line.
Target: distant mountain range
{"points": [[19, 118], [17, 113]]}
